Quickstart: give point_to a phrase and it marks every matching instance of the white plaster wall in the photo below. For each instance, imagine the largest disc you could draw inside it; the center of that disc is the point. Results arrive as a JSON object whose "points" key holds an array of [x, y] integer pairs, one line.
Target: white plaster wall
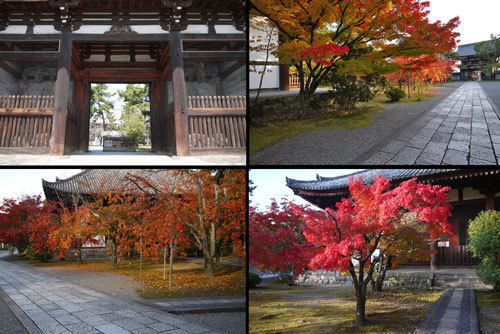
{"points": [[256, 34], [271, 80], [453, 195], [470, 193]]}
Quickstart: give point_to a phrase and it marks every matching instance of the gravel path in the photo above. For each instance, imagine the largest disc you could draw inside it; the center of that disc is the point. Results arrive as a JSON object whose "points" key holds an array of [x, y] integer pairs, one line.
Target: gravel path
{"points": [[124, 287], [341, 147], [120, 286]]}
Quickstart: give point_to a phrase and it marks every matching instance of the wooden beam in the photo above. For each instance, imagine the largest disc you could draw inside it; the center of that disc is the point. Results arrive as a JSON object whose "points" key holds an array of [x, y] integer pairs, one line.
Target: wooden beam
{"points": [[24, 112], [10, 70], [217, 112], [122, 38], [37, 56], [120, 64], [215, 55], [74, 71], [61, 97], [112, 74]]}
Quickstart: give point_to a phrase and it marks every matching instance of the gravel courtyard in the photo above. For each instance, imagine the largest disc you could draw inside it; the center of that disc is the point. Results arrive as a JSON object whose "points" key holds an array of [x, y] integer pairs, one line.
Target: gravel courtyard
{"points": [[121, 287]]}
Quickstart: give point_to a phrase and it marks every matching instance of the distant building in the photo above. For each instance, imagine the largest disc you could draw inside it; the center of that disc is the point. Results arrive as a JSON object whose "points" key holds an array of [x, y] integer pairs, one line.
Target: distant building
{"points": [[471, 64]]}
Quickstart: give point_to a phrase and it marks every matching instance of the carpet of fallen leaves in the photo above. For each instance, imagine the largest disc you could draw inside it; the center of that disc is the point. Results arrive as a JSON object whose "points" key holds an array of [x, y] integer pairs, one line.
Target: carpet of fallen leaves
{"points": [[188, 280]]}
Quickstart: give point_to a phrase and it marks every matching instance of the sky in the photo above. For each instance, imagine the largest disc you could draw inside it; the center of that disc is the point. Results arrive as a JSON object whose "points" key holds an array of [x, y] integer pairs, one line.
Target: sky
{"points": [[18, 182], [271, 183], [479, 18]]}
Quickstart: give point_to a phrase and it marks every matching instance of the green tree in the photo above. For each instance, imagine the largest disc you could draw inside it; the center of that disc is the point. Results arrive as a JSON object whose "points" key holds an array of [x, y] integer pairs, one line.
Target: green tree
{"points": [[136, 99], [490, 51], [484, 236], [101, 104], [134, 124]]}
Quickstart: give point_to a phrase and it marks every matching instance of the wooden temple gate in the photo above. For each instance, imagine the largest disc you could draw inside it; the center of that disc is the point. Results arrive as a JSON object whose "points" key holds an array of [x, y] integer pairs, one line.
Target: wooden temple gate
{"points": [[60, 122]]}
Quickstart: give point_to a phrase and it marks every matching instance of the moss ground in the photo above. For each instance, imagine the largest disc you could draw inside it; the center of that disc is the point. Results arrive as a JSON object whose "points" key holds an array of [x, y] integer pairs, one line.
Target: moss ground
{"points": [[277, 308], [271, 132], [488, 306]]}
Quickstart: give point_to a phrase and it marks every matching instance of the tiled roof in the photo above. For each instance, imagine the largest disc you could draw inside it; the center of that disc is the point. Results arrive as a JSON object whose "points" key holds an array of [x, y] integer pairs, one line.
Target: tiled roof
{"points": [[330, 183], [467, 49], [92, 181]]}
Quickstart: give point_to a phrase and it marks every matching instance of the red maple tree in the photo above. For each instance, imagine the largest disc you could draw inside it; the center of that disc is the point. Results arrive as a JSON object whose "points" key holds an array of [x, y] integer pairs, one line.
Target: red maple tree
{"points": [[346, 238]]}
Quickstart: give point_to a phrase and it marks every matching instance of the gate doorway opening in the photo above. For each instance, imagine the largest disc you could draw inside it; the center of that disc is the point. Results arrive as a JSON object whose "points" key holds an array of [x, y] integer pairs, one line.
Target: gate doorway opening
{"points": [[120, 118]]}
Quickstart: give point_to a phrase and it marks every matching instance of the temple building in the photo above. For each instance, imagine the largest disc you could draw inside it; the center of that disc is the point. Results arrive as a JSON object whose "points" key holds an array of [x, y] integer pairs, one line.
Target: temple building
{"points": [[472, 190], [471, 64], [191, 53], [90, 182]]}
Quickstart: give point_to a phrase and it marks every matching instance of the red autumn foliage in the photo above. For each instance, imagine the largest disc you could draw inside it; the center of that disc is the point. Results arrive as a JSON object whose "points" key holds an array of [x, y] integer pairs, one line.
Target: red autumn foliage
{"points": [[323, 54], [345, 238]]}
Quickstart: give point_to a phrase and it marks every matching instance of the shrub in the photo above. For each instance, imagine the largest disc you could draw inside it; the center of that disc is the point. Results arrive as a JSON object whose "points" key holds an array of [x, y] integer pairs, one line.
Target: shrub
{"points": [[253, 280], [34, 254], [484, 236], [348, 89], [395, 93]]}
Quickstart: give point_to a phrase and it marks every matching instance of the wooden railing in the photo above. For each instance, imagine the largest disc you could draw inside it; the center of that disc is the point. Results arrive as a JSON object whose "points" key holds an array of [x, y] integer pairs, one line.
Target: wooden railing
{"points": [[456, 256], [217, 123], [26, 121], [294, 82]]}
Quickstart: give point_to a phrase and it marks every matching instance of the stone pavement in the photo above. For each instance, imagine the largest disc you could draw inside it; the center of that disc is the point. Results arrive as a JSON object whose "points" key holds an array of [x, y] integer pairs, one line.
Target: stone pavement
{"points": [[464, 129], [453, 313], [200, 304], [120, 159], [48, 305]]}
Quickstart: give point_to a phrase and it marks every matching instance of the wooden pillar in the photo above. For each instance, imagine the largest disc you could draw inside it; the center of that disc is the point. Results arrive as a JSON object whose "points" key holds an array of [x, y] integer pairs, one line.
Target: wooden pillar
{"points": [[57, 142], [83, 100], [180, 94], [434, 253], [490, 200], [284, 77]]}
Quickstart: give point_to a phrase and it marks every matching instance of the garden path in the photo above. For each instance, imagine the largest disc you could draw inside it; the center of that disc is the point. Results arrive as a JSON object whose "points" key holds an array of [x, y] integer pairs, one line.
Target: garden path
{"points": [[453, 313], [464, 129], [49, 305]]}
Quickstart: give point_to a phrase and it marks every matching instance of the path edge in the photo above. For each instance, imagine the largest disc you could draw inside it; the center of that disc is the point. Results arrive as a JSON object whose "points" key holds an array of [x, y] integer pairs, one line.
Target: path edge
{"points": [[437, 310], [23, 318], [473, 322]]}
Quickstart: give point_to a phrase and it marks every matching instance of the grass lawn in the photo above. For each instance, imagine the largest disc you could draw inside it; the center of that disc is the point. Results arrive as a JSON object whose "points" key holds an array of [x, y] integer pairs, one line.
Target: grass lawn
{"points": [[188, 278], [272, 132], [279, 308], [488, 311]]}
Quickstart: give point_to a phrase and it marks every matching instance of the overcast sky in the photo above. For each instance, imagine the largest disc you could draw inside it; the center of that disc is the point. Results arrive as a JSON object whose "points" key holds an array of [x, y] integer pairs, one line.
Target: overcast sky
{"points": [[480, 18], [18, 182], [271, 183]]}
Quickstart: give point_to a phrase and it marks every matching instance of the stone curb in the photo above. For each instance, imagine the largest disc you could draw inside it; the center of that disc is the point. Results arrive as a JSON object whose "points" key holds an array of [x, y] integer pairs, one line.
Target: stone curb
{"points": [[473, 322], [431, 321], [23, 318]]}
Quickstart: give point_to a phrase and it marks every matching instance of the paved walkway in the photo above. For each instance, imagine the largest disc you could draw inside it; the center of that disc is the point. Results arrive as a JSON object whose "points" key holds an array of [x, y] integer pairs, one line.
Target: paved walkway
{"points": [[453, 313], [462, 129], [96, 158], [48, 305]]}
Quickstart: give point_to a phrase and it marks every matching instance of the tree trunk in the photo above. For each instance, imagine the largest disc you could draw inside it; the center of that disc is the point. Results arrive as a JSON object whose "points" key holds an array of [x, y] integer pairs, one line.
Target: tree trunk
{"points": [[361, 305], [140, 259], [165, 262], [114, 253], [171, 266], [79, 251], [265, 64]]}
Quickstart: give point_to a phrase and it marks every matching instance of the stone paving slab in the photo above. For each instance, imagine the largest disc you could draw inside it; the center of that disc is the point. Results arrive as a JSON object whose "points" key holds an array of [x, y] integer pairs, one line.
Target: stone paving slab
{"points": [[74, 309], [461, 130], [454, 313], [199, 305]]}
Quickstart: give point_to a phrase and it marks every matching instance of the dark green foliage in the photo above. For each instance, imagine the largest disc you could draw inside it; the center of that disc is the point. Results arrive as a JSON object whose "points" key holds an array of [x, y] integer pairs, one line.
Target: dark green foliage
{"points": [[348, 89], [484, 236], [101, 104], [253, 280], [490, 51], [395, 93], [34, 254]]}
